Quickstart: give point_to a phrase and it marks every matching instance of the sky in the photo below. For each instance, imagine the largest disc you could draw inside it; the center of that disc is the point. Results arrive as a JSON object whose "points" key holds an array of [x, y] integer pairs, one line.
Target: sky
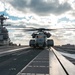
{"points": [[40, 14]]}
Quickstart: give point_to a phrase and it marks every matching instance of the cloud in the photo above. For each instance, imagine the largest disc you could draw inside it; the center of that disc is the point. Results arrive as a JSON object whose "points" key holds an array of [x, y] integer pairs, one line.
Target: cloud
{"points": [[72, 14], [2, 8], [12, 12], [18, 36], [20, 4], [41, 7], [65, 35]]}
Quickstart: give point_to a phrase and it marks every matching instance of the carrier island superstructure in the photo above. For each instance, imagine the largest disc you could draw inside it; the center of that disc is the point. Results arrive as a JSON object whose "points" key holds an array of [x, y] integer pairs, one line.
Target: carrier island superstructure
{"points": [[4, 37]]}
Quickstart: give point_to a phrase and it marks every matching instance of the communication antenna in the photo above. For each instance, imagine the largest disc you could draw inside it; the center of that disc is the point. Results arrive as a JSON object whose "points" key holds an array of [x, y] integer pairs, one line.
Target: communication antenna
{"points": [[2, 18]]}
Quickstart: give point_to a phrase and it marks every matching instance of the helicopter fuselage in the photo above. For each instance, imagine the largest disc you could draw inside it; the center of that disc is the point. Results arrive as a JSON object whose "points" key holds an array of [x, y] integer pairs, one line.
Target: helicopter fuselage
{"points": [[40, 40]]}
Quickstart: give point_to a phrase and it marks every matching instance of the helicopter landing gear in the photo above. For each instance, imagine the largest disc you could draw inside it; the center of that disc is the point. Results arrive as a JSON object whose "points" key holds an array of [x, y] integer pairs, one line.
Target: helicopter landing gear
{"points": [[50, 43], [32, 43]]}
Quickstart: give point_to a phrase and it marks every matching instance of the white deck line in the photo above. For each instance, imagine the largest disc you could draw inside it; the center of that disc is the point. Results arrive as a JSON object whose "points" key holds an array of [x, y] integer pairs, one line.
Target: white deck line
{"points": [[11, 51], [27, 65]]}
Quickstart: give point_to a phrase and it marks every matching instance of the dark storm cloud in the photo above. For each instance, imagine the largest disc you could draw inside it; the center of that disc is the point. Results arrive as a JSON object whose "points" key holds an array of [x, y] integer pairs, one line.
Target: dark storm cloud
{"points": [[19, 4], [40, 7]]}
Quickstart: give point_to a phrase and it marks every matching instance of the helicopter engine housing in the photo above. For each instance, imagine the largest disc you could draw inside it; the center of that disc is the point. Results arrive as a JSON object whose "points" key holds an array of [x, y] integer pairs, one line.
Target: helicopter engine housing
{"points": [[50, 43], [34, 35], [32, 43]]}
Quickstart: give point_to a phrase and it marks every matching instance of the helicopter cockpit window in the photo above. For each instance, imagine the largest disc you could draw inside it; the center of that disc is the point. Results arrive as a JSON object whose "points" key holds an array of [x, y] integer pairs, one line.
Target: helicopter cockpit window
{"points": [[40, 36]]}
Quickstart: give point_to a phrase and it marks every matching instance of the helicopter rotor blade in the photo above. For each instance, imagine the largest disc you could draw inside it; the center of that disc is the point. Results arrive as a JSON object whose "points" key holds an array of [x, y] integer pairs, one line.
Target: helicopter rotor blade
{"points": [[40, 29], [7, 25], [58, 29]]}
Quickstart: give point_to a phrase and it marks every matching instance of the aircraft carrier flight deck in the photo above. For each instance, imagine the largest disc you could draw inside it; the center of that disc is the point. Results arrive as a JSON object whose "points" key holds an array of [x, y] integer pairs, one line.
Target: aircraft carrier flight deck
{"points": [[23, 60]]}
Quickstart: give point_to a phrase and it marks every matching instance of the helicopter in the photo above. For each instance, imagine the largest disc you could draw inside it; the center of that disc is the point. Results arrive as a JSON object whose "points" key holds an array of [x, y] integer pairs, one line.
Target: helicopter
{"points": [[39, 38]]}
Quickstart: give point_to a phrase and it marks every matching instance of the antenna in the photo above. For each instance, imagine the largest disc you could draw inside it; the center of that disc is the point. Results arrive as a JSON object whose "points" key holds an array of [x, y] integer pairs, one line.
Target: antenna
{"points": [[2, 18]]}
